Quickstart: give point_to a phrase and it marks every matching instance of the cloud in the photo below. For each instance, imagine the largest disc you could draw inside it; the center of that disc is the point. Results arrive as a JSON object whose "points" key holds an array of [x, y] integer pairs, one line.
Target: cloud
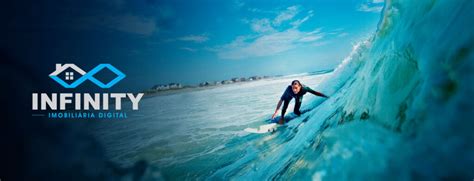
{"points": [[339, 32], [270, 24], [367, 8], [239, 4], [374, 6], [343, 34], [194, 38], [256, 10], [298, 22], [261, 25], [310, 38], [269, 38], [266, 44], [285, 15], [266, 25], [188, 49]]}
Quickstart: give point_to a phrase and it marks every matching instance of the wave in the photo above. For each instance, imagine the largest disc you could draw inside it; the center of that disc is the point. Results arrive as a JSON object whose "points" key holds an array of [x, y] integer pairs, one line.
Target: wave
{"points": [[399, 106]]}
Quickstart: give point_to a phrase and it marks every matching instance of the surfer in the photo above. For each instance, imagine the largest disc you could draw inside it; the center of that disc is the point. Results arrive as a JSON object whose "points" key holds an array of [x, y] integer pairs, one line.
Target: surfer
{"points": [[295, 90]]}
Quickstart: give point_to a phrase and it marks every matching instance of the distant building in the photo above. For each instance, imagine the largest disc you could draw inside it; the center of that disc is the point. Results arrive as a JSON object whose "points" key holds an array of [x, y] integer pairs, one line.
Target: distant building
{"points": [[169, 86], [175, 86], [226, 82], [255, 78], [202, 84], [235, 79], [172, 86], [161, 87]]}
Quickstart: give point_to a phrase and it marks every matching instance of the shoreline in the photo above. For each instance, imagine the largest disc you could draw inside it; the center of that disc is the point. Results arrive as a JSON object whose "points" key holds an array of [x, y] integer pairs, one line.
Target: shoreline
{"points": [[200, 88]]}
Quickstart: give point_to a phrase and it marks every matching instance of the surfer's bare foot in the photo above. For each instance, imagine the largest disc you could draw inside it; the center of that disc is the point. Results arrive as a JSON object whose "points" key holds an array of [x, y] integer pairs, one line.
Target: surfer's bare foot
{"points": [[281, 121]]}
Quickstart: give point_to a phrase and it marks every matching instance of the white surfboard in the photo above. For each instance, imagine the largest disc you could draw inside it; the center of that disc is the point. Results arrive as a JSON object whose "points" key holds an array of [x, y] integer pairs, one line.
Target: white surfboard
{"points": [[266, 128]]}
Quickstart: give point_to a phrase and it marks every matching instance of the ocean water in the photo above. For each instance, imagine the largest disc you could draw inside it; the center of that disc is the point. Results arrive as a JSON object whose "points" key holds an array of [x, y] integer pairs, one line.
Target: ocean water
{"points": [[400, 108], [192, 134]]}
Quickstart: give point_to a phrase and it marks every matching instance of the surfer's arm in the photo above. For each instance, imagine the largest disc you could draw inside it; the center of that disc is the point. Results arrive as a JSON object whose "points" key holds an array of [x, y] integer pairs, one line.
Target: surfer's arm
{"points": [[316, 92], [277, 108], [285, 96]]}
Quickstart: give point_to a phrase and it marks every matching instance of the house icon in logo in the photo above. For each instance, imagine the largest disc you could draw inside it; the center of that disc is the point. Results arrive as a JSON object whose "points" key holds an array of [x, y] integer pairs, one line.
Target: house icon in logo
{"points": [[70, 80], [69, 69]]}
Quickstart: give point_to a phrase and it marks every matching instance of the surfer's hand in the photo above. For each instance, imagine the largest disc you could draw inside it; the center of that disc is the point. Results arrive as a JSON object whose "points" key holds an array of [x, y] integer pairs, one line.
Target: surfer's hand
{"points": [[274, 114]]}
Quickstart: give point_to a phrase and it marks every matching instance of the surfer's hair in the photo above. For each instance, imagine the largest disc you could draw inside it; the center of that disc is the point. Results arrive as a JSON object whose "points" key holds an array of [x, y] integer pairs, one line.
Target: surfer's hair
{"points": [[296, 82]]}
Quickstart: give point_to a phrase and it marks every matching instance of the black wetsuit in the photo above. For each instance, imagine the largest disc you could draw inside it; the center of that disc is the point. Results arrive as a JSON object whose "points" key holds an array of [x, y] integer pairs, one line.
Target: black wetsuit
{"points": [[288, 95]]}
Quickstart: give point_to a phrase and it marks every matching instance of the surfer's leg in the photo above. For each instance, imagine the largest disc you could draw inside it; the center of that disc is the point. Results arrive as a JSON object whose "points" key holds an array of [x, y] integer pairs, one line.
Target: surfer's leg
{"points": [[283, 111], [285, 106], [297, 106]]}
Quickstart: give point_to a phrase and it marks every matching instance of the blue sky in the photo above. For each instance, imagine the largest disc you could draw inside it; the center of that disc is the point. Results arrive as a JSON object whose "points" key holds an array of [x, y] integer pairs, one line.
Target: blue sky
{"points": [[158, 42]]}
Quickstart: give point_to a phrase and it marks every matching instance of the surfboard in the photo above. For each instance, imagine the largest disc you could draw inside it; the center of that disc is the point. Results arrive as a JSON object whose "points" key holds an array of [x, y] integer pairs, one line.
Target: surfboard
{"points": [[266, 128], [272, 124], [288, 117]]}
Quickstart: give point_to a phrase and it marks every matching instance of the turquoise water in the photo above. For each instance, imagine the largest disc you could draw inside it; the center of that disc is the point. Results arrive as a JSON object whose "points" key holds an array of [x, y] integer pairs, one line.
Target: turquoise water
{"points": [[182, 133], [400, 109]]}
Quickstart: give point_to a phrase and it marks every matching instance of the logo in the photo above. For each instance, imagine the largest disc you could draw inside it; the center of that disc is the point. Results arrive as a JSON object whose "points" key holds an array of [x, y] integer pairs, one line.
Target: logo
{"points": [[70, 105], [70, 69]]}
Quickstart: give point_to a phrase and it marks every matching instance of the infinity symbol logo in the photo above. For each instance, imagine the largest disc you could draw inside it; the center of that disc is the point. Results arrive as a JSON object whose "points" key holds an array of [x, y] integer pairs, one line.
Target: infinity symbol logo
{"points": [[71, 69]]}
